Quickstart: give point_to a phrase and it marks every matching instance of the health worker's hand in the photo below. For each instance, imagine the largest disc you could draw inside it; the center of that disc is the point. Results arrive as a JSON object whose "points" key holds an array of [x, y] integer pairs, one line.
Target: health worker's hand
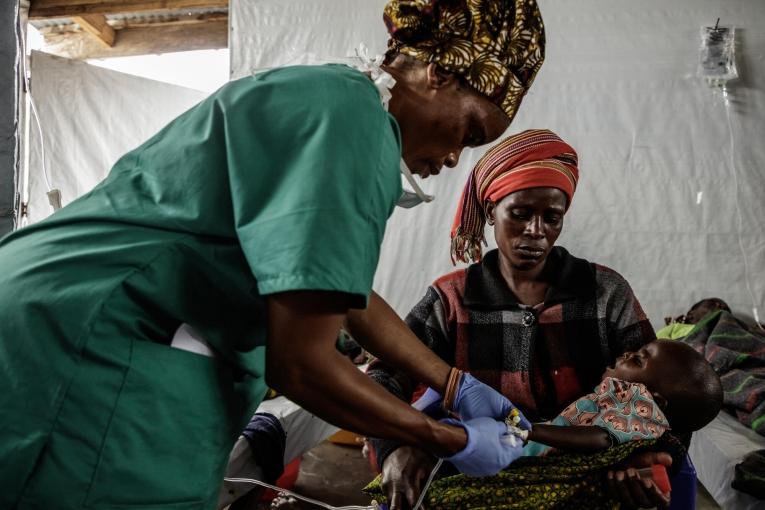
{"points": [[404, 473], [490, 448], [475, 400], [626, 486], [430, 403]]}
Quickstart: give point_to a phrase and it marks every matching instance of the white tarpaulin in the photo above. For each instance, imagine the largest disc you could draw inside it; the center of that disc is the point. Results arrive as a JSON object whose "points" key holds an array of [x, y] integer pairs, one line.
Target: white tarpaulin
{"points": [[91, 116], [672, 180], [716, 450]]}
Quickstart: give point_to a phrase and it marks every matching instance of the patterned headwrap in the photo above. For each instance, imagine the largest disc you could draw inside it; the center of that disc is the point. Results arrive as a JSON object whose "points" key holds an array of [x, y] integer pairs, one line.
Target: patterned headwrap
{"points": [[497, 46], [536, 158]]}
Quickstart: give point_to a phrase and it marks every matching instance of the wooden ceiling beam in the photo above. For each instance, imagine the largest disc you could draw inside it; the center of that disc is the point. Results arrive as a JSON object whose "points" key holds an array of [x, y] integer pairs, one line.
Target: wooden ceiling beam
{"points": [[179, 20], [139, 41], [96, 25], [41, 9]]}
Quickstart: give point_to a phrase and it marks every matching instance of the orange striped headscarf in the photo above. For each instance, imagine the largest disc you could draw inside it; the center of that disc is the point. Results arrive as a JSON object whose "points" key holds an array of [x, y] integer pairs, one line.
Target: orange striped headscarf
{"points": [[536, 158]]}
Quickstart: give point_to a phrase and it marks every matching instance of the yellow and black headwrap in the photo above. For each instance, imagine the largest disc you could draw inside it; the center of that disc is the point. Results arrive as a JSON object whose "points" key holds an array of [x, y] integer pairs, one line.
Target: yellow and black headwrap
{"points": [[497, 46]]}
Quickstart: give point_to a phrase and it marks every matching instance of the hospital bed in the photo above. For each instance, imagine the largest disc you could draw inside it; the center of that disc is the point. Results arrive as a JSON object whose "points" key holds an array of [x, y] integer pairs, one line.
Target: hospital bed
{"points": [[715, 450]]}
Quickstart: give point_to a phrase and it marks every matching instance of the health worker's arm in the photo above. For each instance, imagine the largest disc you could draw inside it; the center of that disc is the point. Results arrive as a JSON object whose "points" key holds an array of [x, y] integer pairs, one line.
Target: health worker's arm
{"points": [[382, 332], [303, 364]]}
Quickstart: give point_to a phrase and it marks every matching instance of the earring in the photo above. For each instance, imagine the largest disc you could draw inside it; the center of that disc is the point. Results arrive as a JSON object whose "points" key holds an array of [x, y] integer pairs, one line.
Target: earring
{"points": [[490, 221]]}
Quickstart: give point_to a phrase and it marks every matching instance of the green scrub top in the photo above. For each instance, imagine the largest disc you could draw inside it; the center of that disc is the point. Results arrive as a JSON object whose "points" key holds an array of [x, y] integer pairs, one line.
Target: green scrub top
{"points": [[277, 182]]}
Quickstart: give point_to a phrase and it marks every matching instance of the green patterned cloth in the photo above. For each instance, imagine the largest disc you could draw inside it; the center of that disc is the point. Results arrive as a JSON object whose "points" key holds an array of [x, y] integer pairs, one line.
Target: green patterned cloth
{"points": [[554, 481]]}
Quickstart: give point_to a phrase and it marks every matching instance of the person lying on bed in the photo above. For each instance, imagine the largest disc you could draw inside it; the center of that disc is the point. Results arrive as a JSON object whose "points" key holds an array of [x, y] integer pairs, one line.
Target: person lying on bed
{"points": [[664, 385], [682, 325], [528, 319]]}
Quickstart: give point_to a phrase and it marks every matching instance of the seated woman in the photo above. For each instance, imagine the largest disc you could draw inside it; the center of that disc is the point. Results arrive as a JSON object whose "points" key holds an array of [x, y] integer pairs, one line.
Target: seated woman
{"points": [[529, 319]]}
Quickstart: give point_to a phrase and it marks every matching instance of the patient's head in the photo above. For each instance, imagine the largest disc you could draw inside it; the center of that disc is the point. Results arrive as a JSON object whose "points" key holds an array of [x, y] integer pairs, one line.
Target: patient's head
{"points": [[704, 307], [681, 381]]}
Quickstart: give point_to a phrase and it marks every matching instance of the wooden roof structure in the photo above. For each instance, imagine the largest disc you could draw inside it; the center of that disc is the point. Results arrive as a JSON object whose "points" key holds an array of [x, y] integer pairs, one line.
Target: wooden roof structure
{"points": [[85, 29]]}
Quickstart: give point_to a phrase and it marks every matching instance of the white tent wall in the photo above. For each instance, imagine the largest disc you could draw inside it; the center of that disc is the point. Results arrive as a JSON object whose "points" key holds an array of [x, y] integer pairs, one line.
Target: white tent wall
{"points": [[89, 117], [672, 179]]}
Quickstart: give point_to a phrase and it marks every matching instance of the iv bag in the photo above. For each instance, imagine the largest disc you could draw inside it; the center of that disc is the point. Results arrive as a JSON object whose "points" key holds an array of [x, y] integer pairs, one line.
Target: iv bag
{"points": [[717, 61]]}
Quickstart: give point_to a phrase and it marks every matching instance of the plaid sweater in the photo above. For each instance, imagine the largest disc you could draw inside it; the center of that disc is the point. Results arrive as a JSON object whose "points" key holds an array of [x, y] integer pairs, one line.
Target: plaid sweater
{"points": [[541, 357]]}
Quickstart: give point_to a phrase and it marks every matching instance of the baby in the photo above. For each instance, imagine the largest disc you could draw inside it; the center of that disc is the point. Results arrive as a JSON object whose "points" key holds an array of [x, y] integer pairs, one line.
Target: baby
{"points": [[664, 385]]}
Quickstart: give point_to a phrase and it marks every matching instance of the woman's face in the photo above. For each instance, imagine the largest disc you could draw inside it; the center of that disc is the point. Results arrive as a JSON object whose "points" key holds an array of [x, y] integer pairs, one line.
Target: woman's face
{"points": [[526, 225], [439, 117]]}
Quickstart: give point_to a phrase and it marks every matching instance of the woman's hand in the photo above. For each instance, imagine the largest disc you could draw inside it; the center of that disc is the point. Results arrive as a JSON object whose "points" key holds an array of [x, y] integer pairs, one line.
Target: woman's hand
{"points": [[404, 472], [628, 488]]}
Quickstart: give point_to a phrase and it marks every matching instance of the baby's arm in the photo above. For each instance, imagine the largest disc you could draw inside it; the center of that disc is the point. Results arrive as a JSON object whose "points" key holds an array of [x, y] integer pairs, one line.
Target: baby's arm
{"points": [[575, 438]]}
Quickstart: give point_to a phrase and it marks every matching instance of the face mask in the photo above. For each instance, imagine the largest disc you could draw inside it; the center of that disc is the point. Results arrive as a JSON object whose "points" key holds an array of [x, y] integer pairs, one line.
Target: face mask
{"points": [[384, 83], [408, 198]]}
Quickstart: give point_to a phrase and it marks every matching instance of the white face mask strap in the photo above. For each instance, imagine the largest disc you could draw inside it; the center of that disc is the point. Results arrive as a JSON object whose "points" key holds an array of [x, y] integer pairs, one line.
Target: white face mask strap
{"points": [[410, 179], [371, 67], [385, 82]]}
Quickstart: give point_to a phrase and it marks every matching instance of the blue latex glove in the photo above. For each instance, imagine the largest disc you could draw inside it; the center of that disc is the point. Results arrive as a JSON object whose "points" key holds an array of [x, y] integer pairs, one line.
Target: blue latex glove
{"points": [[475, 399], [430, 403], [488, 450]]}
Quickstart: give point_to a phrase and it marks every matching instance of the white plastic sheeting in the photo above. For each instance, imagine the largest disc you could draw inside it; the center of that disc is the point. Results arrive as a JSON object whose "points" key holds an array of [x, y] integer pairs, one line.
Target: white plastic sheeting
{"points": [[619, 83], [89, 117], [303, 429], [715, 450], [271, 33]]}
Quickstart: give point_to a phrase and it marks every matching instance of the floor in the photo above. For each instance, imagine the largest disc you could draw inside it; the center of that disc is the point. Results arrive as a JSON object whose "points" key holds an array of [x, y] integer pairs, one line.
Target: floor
{"points": [[703, 500], [335, 474]]}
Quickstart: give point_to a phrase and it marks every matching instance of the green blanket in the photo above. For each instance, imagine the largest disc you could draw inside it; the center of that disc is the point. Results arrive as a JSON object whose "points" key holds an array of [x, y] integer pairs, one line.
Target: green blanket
{"points": [[554, 481], [738, 356]]}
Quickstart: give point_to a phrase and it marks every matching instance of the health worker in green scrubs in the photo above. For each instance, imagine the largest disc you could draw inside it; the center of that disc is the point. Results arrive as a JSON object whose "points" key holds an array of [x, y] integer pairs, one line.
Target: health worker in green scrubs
{"points": [[256, 219]]}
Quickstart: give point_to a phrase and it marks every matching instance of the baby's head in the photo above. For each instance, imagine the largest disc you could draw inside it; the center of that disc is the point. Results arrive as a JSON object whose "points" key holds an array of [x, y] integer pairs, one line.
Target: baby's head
{"points": [[704, 307], [681, 381]]}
